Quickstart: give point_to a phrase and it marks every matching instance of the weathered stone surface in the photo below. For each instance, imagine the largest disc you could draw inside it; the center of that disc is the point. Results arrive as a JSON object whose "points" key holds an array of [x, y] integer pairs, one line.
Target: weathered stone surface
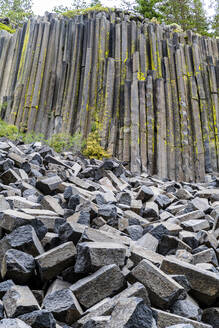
{"points": [[20, 202], [19, 300], [169, 245], [206, 256], [91, 256], [1, 310], [211, 316], [187, 308], [5, 286], [195, 225], [183, 281], [197, 278], [131, 312], [182, 326], [71, 232], [134, 231], [18, 266], [63, 305], [53, 262], [4, 205], [48, 185], [136, 290], [24, 239], [9, 176], [163, 290], [163, 201], [144, 194], [148, 241], [91, 223], [103, 283], [50, 203], [194, 215], [39, 319], [165, 319], [13, 323], [183, 194], [57, 285], [97, 322], [13, 219], [140, 253]]}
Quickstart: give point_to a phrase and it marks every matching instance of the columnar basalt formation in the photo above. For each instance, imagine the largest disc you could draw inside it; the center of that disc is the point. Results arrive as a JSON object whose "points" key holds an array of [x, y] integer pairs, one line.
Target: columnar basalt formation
{"points": [[153, 91]]}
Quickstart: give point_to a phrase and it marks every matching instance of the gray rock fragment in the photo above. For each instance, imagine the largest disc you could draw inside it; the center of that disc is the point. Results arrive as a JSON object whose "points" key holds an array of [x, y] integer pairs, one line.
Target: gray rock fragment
{"points": [[103, 283], [13, 323], [54, 261], [91, 256], [19, 300], [18, 266], [163, 290], [131, 313], [63, 305]]}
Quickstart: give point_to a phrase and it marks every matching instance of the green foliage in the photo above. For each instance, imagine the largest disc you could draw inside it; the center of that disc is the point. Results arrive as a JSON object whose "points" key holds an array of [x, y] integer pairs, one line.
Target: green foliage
{"points": [[18, 11], [8, 131], [93, 148], [60, 9], [6, 28], [76, 5], [176, 28], [59, 142], [31, 137], [95, 3], [149, 8], [189, 14], [141, 76], [215, 20], [76, 12], [128, 5], [65, 142], [199, 22]]}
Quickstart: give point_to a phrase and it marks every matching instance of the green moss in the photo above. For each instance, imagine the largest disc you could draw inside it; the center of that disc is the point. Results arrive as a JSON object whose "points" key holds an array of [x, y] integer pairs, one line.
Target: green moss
{"points": [[6, 28], [76, 12]]}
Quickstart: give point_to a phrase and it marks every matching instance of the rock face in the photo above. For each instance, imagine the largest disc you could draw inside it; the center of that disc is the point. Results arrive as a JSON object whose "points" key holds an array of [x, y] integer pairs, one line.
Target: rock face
{"points": [[153, 90], [109, 250]]}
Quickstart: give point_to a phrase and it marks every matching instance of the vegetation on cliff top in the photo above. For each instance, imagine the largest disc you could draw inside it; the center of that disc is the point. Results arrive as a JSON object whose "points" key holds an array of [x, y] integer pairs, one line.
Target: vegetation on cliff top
{"points": [[18, 11], [189, 14], [6, 28]]}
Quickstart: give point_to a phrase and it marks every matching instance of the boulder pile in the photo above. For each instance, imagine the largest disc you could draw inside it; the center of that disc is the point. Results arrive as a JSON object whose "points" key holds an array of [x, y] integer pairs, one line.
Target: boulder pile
{"points": [[84, 243]]}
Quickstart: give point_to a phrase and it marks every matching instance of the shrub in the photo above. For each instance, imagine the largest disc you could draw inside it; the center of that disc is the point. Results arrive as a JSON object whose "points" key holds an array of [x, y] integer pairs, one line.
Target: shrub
{"points": [[9, 131], [65, 142], [59, 142], [31, 137], [84, 11], [93, 148]]}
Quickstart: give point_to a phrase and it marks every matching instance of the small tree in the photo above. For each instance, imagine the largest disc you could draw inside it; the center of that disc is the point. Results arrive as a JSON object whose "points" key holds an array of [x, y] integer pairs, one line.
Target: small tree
{"points": [[129, 5], [215, 21], [16, 10], [199, 22], [177, 11], [78, 4], [95, 3], [149, 8]]}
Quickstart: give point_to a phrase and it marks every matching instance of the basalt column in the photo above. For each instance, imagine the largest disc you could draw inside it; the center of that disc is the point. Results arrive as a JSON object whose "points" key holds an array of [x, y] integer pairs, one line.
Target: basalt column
{"points": [[152, 92]]}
